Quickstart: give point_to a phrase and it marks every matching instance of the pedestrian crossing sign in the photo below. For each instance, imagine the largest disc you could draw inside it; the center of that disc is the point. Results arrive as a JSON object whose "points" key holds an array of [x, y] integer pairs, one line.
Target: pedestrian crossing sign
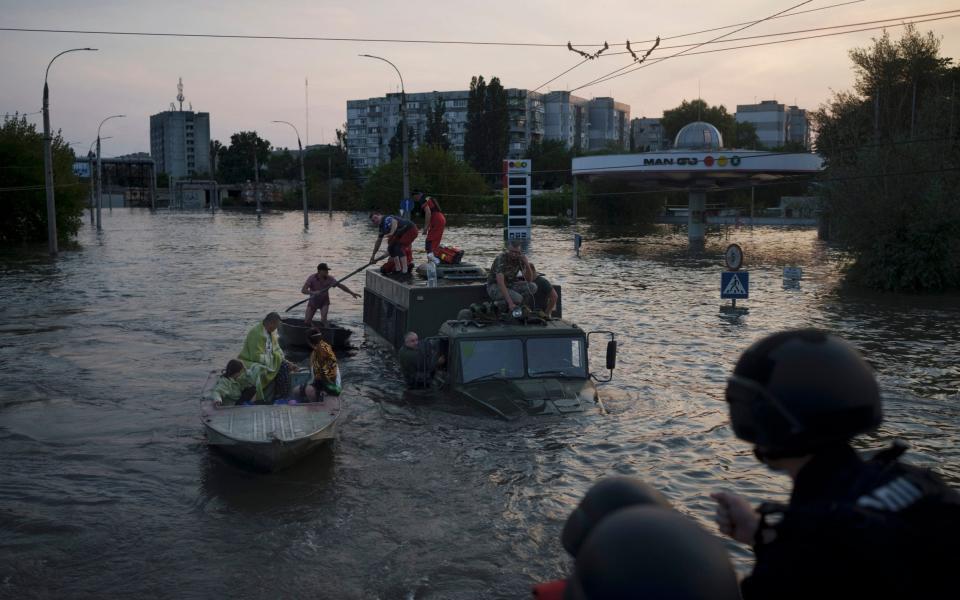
{"points": [[734, 285]]}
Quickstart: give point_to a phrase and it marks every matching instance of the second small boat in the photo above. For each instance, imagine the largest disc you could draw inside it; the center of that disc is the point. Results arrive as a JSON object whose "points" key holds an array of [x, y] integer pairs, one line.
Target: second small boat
{"points": [[295, 334]]}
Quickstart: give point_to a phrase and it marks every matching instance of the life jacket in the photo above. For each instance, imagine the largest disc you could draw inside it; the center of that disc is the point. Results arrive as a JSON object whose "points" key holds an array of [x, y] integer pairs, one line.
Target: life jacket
{"points": [[402, 225], [426, 201], [449, 255]]}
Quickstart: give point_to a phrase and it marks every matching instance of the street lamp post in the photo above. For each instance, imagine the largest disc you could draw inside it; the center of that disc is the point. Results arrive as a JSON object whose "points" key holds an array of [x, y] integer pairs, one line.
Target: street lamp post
{"points": [[100, 172], [48, 157], [303, 176], [403, 125]]}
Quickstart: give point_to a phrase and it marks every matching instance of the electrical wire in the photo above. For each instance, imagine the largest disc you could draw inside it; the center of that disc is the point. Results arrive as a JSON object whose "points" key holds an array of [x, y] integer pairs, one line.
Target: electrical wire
{"points": [[695, 46], [655, 61], [367, 40], [783, 33], [683, 35]]}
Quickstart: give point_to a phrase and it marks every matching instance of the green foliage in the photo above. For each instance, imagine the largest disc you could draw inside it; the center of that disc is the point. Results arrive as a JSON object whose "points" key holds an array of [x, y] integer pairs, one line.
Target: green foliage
{"points": [[282, 165], [488, 131], [739, 135], [21, 166], [437, 127], [396, 145], [344, 187], [612, 202], [431, 169], [551, 164], [892, 155], [236, 160]]}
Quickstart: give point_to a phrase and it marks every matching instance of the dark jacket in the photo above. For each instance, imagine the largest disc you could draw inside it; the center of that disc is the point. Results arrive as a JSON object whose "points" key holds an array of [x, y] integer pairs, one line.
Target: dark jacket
{"points": [[858, 529]]}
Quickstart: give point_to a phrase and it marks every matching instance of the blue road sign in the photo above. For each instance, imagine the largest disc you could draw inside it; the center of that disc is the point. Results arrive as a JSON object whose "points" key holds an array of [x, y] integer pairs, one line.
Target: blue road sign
{"points": [[734, 285]]}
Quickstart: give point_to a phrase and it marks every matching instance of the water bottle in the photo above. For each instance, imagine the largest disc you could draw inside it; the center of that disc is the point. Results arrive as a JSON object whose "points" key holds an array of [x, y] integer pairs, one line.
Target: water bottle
{"points": [[431, 274]]}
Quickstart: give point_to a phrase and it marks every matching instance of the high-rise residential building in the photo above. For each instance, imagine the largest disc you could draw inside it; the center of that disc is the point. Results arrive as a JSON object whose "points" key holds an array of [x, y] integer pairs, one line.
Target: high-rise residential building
{"points": [[373, 122], [776, 124], [609, 124], [567, 119], [647, 135], [180, 142], [798, 126], [525, 114]]}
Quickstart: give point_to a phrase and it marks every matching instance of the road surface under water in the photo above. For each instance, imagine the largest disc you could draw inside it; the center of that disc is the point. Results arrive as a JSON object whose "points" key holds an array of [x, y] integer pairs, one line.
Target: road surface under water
{"points": [[108, 489]]}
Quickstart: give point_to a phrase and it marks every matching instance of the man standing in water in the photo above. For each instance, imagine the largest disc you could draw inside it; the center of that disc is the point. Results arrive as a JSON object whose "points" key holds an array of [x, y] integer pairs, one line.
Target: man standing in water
{"points": [[400, 234], [854, 527], [318, 286]]}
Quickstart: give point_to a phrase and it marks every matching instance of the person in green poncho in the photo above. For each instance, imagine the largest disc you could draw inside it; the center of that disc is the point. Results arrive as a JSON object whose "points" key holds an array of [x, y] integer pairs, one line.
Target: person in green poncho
{"points": [[263, 357], [234, 386]]}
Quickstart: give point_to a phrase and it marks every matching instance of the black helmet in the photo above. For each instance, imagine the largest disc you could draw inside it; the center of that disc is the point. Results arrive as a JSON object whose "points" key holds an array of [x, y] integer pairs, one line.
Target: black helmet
{"points": [[795, 392], [604, 498], [650, 552]]}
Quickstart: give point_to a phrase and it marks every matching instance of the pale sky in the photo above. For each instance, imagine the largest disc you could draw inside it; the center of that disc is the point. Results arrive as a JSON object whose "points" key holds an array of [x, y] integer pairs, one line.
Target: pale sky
{"points": [[244, 84]]}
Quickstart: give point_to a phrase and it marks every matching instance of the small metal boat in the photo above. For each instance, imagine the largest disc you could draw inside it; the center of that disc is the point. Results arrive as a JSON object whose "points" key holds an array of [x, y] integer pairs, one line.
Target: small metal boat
{"points": [[271, 437], [294, 334]]}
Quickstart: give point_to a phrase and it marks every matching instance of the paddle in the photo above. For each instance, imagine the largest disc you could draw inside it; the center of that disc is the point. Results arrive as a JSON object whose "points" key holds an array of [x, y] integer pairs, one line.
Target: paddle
{"points": [[341, 280]]}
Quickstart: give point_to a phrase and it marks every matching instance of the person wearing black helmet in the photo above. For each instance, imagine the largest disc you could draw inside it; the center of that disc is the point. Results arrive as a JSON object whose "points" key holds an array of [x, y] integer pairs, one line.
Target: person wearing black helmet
{"points": [[628, 542], [854, 527]]}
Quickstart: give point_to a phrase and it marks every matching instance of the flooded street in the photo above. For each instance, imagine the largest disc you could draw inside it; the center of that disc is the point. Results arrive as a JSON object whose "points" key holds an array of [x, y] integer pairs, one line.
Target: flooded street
{"points": [[108, 488]]}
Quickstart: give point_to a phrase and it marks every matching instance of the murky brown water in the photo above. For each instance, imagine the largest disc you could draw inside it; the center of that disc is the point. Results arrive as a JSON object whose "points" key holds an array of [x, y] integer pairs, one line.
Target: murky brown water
{"points": [[108, 489]]}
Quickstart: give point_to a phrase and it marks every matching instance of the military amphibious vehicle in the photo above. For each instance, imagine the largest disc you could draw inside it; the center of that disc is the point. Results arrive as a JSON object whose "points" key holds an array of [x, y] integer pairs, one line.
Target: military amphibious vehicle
{"points": [[503, 364]]}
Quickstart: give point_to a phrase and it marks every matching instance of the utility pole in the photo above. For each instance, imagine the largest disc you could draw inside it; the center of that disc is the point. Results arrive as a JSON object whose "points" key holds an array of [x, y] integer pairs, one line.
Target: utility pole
{"points": [[303, 176], [329, 188], [256, 179], [48, 158], [99, 187], [100, 172], [403, 125]]}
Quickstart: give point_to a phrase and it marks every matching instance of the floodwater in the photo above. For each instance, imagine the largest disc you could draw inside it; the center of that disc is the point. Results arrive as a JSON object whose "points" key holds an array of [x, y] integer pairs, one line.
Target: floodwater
{"points": [[108, 489]]}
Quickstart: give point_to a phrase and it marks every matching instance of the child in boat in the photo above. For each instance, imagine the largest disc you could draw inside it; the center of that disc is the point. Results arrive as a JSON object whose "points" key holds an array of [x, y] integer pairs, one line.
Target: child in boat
{"points": [[234, 386], [326, 373]]}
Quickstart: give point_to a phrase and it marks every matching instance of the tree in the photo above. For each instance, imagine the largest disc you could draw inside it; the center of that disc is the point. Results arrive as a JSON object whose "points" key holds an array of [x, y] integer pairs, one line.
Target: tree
{"points": [[892, 157], [236, 160], [745, 136], [396, 145], [437, 126], [22, 185], [487, 134], [215, 147], [452, 181], [342, 138], [551, 164], [474, 138], [346, 192], [282, 165]]}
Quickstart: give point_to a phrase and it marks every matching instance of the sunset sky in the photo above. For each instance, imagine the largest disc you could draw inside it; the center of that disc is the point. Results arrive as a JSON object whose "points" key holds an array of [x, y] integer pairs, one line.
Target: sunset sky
{"points": [[244, 84]]}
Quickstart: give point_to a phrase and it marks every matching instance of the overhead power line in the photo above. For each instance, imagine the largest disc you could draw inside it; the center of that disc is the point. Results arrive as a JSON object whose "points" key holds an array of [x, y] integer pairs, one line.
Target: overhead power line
{"points": [[370, 40], [658, 39], [626, 70], [695, 46], [892, 21]]}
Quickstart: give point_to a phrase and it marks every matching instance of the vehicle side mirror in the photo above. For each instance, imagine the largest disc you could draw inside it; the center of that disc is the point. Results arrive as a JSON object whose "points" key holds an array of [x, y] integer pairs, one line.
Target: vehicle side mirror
{"points": [[611, 355]]}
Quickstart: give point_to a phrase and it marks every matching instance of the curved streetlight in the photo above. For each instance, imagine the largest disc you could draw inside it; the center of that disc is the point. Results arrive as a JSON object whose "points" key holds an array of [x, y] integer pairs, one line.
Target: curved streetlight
{"points": [[100, 171], [303, 176], [403, 125], [48, 156], [93, 182]]}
